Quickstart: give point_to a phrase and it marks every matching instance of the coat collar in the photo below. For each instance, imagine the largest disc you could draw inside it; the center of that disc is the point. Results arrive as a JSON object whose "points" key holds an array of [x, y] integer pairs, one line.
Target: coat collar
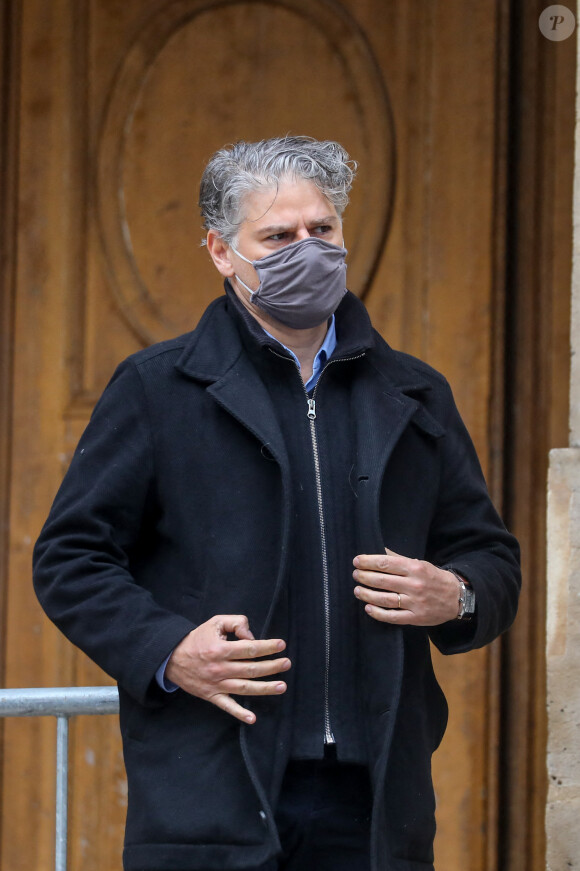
{"points": [[226, 327], [404, 387], [213, 347], [215, 355]]}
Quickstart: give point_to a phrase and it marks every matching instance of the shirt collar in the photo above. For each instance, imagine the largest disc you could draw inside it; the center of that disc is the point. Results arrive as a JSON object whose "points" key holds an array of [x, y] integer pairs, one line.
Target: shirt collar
{"points": [[352, 328], [324, 353]]}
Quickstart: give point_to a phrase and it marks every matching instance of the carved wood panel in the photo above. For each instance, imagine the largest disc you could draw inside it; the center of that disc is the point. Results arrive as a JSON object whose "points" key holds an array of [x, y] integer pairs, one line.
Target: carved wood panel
{"points": [[183, 65], [263, 52], [121, 103]]}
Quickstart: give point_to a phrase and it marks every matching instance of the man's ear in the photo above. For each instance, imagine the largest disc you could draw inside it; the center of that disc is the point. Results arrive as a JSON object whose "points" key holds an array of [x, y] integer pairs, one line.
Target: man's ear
{"points": [[220, 253]]}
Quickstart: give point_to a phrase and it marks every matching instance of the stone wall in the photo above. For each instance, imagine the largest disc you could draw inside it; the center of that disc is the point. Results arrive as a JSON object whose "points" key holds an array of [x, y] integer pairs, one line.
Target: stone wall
{"points": [[563, 612]]}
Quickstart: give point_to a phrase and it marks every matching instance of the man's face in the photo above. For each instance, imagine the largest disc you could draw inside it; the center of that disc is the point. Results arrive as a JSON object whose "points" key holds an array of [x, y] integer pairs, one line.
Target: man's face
{"points": [[273, 219]]}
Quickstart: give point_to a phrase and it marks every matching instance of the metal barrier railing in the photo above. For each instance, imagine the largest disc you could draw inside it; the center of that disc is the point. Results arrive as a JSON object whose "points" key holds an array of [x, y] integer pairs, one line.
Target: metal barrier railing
{"points": [[62, 703]]}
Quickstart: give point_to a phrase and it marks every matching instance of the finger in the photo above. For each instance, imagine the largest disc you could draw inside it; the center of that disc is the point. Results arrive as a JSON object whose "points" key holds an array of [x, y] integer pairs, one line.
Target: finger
{"points": [[256, 669], [230, 706], [391, 600], [252, 649], [381, 581], [392, 553], [385, 563], [253, 687], [393, 616], [236, 623]]}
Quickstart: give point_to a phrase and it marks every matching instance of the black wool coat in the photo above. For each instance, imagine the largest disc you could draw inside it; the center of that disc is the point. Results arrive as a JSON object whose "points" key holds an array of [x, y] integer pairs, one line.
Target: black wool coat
{"points": [[177, 507]]}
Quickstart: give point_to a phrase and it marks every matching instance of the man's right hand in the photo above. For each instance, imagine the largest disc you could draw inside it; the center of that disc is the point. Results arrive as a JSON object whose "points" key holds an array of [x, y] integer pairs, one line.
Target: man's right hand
{"points": [[207, 665]]}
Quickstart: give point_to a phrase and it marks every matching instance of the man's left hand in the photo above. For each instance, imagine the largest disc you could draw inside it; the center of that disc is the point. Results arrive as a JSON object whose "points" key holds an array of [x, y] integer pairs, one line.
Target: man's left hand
{"points": [[405, 591]]}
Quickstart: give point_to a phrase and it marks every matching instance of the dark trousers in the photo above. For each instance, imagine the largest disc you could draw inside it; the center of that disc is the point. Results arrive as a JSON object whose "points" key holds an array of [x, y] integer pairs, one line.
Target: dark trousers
{"points": [[323, 818]]}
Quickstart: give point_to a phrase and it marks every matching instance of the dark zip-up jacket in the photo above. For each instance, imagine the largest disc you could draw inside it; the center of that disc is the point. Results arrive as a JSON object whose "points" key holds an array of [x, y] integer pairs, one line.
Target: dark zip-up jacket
{"points": [[177, 507], [318, 430]]}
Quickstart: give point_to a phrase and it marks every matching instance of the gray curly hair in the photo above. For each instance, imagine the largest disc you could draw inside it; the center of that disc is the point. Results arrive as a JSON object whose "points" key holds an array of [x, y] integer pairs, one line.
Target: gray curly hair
{"points": [[244, 167]]}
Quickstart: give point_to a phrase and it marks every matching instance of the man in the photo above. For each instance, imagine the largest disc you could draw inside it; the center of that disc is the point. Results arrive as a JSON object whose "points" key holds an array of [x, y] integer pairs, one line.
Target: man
{"points": [[263, 525]]}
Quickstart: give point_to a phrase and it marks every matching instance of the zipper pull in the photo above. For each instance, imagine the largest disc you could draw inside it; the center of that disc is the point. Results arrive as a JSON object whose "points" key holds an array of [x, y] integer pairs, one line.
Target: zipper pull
{"points": [[311, 409]]}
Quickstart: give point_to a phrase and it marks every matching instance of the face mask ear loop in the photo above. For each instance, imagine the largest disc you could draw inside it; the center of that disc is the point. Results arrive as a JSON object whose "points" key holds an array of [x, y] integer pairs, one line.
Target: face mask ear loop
{"points": [[243, 283], [235, 250]]}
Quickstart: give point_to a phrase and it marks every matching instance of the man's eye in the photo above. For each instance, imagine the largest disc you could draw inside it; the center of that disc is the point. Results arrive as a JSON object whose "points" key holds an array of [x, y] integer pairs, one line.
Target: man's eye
{"points": [[278, 237], [322, 229]]}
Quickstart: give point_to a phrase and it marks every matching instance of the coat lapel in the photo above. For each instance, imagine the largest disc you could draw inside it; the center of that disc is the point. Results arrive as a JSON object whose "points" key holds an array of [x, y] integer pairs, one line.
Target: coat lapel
{"points": [[383, 410], [242, 394], [384, 405], [215, 356]]}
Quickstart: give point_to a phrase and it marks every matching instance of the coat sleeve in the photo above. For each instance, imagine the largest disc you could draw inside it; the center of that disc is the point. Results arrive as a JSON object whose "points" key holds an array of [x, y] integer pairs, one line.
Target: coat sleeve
{"points": [[468, 535], [82, 559]]}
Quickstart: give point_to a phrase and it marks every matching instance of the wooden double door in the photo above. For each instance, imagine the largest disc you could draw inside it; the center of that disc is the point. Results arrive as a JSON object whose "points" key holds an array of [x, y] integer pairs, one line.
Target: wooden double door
{"points": [[110, 109]]}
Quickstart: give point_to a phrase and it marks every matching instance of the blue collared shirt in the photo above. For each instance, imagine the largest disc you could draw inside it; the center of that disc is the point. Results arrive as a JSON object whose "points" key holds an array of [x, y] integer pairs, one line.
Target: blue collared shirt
{"points": [[325, 351]]}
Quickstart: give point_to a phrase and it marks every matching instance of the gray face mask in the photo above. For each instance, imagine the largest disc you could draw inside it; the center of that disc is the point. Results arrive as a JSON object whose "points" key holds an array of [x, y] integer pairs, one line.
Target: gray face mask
{"points": [[301, 284]]}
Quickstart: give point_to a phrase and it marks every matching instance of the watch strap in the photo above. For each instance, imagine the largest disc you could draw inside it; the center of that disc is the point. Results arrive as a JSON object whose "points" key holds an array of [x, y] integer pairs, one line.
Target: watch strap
{"points": [[466, 598]]}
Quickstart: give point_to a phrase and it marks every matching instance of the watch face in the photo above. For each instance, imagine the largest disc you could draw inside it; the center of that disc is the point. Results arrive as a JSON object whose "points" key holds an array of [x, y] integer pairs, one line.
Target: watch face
{"points": [[469, 601]]}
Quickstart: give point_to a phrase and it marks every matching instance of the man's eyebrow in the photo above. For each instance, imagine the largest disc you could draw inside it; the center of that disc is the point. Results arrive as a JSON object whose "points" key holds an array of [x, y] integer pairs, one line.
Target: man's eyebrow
{"points": [[283, 228], [276, 228], [327, 219]]}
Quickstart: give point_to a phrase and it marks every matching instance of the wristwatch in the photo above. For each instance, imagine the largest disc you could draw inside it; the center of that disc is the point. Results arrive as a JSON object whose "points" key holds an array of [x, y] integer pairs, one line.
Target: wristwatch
{"points": [[466, 598]]}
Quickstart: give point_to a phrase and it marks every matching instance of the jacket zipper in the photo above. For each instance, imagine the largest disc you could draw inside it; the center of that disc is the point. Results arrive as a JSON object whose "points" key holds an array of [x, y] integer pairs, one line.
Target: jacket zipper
{"points": [[328, 735], [311, 413]]}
